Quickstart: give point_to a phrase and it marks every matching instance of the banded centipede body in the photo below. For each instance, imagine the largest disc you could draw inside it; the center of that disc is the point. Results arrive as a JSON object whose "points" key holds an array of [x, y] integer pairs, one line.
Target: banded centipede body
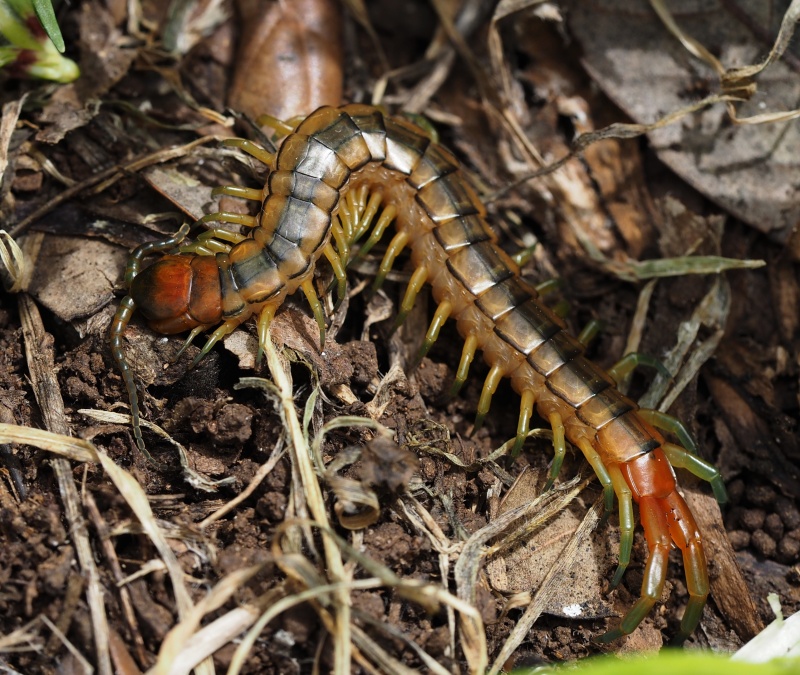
{"points": [[331, 175]]}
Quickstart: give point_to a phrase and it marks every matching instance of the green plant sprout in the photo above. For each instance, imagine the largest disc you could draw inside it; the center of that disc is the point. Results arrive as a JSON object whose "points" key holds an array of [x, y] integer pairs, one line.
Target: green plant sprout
{"points": [[33, 44]]}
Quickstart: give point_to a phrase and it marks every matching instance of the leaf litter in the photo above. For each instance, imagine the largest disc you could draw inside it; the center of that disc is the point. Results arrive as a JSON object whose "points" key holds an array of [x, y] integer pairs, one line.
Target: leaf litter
{"points": [[310, 580]]}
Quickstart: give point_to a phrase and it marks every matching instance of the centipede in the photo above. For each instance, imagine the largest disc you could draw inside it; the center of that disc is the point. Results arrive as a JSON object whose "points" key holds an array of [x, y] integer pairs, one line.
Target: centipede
{"points": [[331, 176]]}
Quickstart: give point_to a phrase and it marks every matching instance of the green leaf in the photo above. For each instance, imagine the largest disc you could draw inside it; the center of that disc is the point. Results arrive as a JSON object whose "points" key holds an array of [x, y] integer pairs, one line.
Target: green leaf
{"points": [[44, 10]]}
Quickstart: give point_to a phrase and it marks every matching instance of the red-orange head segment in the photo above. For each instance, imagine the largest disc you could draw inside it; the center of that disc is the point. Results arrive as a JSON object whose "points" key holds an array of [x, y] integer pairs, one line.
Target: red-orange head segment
{"points": [[178, 293]]}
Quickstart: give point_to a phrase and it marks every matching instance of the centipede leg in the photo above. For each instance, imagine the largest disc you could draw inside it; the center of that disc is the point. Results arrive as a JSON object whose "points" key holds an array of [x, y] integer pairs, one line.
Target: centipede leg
{"points": [[669, 423], [207, 242], [339, 237], [234, 218], [626, 522], [467, 354], [415, 285], [559, 448], [252, 194], [441, 315], [252, 149], [264, 320], [601, 472], [657, 533], [628, 363], [489, 388], [338, 272], [281, 127], [316, 308], [683, 459], [195, 332], [589, 332], [364, 218], [527, 401], [227, 327], [384, 221], [397, 244]]}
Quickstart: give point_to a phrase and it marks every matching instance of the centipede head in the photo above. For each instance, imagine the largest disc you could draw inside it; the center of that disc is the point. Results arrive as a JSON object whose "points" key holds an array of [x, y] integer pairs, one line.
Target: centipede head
{"points": [[178, 293]]}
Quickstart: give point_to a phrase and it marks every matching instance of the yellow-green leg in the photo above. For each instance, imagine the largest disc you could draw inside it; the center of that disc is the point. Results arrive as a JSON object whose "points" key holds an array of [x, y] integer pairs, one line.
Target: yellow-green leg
{"points": [[415, 285], [602, 473], [397, 244], [252, 149], [316, 307], [559, 448], [338, 272], [441, 315], [683, 459], [489, 388], [527, 401], [467, 354], [626, 524]]}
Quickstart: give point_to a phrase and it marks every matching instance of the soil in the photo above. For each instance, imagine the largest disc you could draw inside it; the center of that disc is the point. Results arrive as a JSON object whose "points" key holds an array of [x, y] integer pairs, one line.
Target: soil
{"points": [[433, 484]]}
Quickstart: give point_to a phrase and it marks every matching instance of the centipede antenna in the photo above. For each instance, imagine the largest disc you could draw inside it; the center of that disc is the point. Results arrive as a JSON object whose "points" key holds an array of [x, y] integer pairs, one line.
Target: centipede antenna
{"points": [[441, 315], [227, 217], [264, 320], [601, 472], [467, 354], [527, 400], [241, 192], [316, 308], [121, 319], [559, 449], [628, 363], [252, 149], [415, 285], [397, 244], [384, 221], [338, 272], [626, 522], [154, 247], [224, 329], [683, 459], [489, 388]]}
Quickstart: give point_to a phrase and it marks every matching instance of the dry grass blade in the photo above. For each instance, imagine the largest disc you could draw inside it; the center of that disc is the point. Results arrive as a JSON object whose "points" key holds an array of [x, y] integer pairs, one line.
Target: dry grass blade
{"points": [[712, 313], [40, 357], [191, 476], [16, 270], [301, 460], [175, 642]]}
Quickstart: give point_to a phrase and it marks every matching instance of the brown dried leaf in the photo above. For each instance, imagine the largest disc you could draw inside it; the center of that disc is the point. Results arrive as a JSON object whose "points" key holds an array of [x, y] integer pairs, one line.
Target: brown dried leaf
{"points": [[291, 58], [749, 170]]}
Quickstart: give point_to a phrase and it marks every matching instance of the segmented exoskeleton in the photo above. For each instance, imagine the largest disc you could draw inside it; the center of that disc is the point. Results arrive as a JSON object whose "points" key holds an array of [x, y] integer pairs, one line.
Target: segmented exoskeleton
{"points": [[327, 182]]}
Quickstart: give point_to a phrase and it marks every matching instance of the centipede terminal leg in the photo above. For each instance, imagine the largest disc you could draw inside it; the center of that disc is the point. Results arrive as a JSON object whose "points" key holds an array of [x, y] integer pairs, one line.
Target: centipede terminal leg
{"points": [[659, 543]]}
